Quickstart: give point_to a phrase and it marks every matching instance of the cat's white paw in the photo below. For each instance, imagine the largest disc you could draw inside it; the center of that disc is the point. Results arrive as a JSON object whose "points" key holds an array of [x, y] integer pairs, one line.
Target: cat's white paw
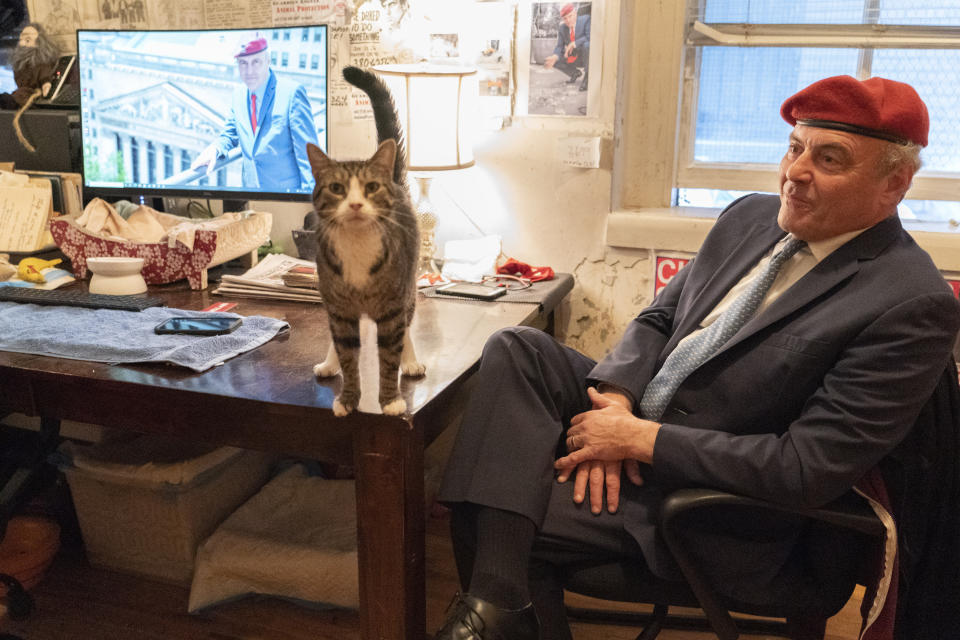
{"points": [[326, 369], [340, 409], [395, 407], [414, 369]]}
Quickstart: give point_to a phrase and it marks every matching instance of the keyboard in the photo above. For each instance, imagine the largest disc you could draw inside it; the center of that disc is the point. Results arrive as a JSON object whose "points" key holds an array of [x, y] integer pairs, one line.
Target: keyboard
{"points": [[78, 298]]}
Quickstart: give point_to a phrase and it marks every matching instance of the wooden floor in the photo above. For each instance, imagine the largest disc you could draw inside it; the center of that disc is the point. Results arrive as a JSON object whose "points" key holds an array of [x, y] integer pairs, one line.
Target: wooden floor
{"points": [[76, 601]]}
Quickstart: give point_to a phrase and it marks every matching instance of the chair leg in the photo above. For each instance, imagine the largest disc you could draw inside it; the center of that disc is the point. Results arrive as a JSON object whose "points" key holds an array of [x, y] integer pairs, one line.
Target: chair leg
{"points": [[652, 630], [807, 628]]}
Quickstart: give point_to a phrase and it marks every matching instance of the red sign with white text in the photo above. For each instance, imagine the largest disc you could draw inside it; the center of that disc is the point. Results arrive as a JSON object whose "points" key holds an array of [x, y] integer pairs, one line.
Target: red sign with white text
{"points": [[666, 269], [955, 285]]}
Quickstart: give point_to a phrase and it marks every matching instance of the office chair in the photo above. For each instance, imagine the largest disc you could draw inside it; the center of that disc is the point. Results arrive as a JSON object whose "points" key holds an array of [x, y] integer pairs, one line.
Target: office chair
{"points": [[805, 594], [922, 476]]}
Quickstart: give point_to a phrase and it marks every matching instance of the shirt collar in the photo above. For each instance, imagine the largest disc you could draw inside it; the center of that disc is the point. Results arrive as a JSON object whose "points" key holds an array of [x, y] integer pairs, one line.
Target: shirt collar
{"points": [[823, 248]]}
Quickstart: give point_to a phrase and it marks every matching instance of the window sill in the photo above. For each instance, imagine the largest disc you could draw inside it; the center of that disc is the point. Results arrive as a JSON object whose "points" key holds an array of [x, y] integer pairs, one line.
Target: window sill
{"points": [[684, 228]]}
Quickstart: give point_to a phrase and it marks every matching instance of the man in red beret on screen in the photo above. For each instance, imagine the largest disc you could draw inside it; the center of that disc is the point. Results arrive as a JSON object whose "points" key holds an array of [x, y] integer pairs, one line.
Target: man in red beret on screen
{"points": [[271, 121], [784, 362]]}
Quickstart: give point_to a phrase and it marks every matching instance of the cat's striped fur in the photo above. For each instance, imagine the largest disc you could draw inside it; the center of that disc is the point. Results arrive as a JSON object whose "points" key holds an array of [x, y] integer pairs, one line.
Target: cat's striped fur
{"points": [[368, 249]]}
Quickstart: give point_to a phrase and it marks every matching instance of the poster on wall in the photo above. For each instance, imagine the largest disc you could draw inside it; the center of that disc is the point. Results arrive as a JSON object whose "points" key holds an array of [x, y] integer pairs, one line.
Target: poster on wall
{"points": [[295, 12], [562, 77]]}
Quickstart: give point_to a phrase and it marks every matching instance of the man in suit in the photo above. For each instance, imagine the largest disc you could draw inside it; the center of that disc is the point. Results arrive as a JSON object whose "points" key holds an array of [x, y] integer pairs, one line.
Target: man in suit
{"points": [[572, 53], [271, 121], [815, 377]]}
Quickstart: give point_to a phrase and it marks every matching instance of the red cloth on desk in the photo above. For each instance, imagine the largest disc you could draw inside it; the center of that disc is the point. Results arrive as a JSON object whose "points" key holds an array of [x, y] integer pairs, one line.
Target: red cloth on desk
{"points": [[513, 267]]}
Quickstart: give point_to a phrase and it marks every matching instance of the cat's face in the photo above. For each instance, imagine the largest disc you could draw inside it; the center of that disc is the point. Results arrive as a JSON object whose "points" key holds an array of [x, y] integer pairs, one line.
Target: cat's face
{"points": [[355, 193]]}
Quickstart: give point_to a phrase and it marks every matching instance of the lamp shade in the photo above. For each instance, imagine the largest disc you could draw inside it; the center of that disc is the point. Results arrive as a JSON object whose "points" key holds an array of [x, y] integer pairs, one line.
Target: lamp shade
{"points": [[437, 107]]}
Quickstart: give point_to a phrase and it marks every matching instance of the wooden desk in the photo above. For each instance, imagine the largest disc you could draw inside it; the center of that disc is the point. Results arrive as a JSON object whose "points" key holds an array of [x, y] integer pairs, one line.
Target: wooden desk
{"points": [[269, 399]]}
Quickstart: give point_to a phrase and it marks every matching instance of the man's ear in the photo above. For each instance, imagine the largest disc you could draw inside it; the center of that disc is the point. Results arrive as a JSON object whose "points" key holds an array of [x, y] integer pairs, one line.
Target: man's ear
{"points": [[897, 184]]}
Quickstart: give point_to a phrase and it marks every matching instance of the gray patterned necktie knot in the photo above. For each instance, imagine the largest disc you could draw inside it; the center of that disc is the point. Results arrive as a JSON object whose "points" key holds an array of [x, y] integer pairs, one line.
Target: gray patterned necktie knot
{"points": [[691, 353]]}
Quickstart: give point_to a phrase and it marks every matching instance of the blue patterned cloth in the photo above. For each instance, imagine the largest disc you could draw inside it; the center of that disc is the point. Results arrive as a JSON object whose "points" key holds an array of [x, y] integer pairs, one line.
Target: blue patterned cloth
{"points": [[106, 335], [694, 351]]}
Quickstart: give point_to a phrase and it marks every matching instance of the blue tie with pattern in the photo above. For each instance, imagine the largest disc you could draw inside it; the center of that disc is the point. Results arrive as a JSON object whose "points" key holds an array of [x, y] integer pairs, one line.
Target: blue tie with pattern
{"points": [[691, 353]]}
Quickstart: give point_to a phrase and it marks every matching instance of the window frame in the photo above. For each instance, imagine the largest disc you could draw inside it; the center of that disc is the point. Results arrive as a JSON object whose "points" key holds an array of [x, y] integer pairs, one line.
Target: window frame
{"points": [[927, 185]]}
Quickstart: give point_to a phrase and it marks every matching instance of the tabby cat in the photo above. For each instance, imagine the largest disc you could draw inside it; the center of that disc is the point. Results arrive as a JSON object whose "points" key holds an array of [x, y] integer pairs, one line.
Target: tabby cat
{"points": [[367, 254]]}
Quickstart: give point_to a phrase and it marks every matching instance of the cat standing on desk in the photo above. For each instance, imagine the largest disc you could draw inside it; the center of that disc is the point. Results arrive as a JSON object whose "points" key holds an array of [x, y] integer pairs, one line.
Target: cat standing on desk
{"points": [[367, 254]]}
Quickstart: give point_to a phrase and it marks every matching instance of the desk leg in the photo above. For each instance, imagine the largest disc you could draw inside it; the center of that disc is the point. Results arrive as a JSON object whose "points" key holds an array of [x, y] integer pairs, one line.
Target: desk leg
{"points": [[391, 530]]}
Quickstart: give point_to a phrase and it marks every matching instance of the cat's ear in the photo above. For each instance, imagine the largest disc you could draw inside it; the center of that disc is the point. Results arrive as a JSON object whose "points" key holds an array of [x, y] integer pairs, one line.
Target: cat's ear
{"points": [[318, 159], [385, 156]]}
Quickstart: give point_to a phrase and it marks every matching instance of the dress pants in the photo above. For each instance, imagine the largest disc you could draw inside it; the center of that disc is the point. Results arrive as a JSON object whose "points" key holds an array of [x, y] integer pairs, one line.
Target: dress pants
{"points": [[571, 68], [528, 388]]}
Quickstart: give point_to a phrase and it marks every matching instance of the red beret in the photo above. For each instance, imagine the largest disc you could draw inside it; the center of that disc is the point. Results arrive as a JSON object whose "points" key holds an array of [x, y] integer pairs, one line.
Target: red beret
{"points": [[877, 107], [567, 8], [254, 46]]}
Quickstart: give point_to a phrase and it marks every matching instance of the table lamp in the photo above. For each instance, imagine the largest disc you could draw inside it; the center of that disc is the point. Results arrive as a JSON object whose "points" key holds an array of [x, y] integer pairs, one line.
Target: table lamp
{"points": [[437, 109]]}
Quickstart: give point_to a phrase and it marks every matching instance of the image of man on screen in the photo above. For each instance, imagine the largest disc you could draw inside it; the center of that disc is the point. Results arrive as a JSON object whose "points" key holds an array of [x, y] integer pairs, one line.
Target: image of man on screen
{"points": [[271, 121]]}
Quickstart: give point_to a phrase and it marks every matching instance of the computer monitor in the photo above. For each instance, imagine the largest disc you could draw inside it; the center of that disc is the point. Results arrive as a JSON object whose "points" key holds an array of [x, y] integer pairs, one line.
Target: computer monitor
{"points": [[156, 105]]}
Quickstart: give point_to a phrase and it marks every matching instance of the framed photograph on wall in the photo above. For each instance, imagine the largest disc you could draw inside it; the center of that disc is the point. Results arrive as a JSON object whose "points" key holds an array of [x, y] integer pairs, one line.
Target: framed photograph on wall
{"points": [[562, 78]]}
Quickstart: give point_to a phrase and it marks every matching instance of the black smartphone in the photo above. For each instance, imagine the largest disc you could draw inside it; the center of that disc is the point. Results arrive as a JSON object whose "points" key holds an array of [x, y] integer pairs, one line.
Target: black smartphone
{"points": [[471, 290], [212, 326]]}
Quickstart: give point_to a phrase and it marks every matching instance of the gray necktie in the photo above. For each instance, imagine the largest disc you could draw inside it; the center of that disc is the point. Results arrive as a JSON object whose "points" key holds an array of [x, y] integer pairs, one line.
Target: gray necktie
{"points": [[691, 353]]}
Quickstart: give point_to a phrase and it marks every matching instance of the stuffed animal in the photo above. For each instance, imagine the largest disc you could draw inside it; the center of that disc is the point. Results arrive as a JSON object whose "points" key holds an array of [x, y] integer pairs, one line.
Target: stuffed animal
{"points": [[34, 61], [31, 269]]}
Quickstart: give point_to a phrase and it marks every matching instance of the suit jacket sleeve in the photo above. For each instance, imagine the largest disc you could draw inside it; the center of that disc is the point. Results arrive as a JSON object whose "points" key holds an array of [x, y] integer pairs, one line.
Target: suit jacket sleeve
{"points": [[229, 136], [583, 32], [865, 405], [634, 360], [302, 131], [563, 37]]}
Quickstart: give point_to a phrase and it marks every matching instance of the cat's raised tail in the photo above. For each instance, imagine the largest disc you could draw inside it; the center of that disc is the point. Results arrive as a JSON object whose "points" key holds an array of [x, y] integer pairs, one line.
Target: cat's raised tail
{"points": [[384, 114]]}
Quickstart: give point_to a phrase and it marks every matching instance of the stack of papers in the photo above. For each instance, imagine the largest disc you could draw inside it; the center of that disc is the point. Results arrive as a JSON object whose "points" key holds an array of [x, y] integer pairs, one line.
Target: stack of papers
{"points": [[265, 280]]}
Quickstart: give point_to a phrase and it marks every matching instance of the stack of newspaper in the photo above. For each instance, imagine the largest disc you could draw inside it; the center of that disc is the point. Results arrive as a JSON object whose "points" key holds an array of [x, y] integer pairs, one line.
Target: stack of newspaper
{"points": [[265, 280]]}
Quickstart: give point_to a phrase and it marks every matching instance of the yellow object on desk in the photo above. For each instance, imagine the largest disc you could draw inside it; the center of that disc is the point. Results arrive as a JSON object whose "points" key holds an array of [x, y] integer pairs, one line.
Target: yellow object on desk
{"points": [[31, 269]]}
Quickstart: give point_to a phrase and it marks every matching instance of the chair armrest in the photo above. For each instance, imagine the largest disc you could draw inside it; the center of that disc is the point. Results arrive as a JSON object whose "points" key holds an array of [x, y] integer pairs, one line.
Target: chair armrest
{"points": [[848, 511]]}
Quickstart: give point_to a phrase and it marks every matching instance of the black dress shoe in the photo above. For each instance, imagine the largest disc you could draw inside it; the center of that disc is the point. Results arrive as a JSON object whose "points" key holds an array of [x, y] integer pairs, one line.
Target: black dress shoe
{"points": [[471, 618], [575, 77]]}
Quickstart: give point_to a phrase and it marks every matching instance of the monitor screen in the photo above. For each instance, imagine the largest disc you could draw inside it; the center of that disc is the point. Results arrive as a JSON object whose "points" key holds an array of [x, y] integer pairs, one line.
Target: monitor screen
{"points": [[202, 113]]}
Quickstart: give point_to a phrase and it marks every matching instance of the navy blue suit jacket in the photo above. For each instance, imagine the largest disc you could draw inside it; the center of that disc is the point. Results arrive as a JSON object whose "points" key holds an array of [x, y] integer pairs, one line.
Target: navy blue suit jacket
{"points": [[810, 394], [581, 32]]}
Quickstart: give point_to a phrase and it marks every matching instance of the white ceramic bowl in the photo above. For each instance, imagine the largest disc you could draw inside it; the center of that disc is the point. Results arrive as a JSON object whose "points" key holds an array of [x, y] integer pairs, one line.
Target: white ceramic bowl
{"points": [[116, 276]]}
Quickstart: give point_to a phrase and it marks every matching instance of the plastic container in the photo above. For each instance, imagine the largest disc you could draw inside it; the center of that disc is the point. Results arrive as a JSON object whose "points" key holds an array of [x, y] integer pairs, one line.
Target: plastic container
{"points": [[144, 503]]}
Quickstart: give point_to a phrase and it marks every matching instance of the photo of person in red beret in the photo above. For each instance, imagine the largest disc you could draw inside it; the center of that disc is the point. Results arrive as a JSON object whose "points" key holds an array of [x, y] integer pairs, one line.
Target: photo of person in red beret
{"points": [[805, 351], [572, 53], [270, 120]]}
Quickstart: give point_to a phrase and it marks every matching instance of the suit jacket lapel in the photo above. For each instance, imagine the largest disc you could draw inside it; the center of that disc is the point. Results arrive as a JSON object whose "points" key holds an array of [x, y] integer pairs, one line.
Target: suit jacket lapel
{"points": [[834, 269], [263, 120], [754, 243]]}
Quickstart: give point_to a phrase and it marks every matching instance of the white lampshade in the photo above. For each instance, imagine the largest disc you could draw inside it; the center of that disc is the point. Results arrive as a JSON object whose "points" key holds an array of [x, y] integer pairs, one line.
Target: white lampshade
{"points": [[437, 107]]}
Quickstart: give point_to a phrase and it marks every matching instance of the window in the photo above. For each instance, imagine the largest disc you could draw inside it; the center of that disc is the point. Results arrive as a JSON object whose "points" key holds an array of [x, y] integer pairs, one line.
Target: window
{"points": [[303, 61], [284, 59], [742, 59], [314, 62]]}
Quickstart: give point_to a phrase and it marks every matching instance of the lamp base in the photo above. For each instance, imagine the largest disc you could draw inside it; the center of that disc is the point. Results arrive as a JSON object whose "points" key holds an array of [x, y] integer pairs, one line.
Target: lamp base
{"points": [[427, 220]]}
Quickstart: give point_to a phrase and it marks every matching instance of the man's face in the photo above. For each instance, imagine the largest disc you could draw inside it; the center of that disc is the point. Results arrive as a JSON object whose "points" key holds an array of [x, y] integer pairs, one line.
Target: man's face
{"points": [[830, 184], [570, 19], [28, 37], [254, 69]]}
